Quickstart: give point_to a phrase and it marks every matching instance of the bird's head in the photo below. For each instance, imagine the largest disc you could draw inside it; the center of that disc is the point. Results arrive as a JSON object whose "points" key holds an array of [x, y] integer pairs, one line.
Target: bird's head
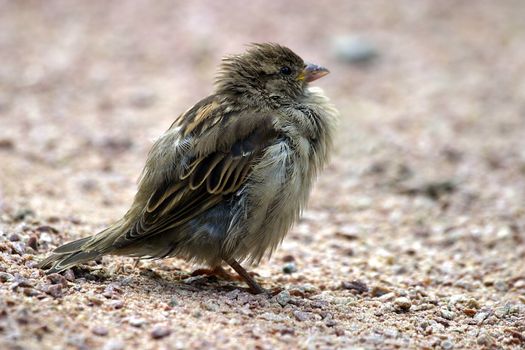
{"points": [[270, 71]]}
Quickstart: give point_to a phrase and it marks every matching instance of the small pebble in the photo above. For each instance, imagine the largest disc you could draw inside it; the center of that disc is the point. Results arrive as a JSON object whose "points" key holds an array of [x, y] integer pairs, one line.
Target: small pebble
{"points": [[387, 297], [19, 248], [283, 298], [55, 290], [356, 286], [436, 328], [288, 258], [114, 344], [289, 268], [14, 237], [116, 304], [480, 317], [69, 275], [159, 332], [391, 332], [516, 309], [30, 292], [447, 314], [111, 291], [472, 304], [126, 281], [23, 213], [6, 144], [348, 232], [100, 330], [47, 229], [136, 322], [95, 299], [211, 306], [330, 322], [302, 290], [470, 312], [501, 286], [32, 264], [485, 339], [300, 315], [402, 303], [502, 311], [378, 291], [270, 316], [6, 277], [308, 288], [447, 345], [33, 242], [20, 281], [457, 298], [56, 278]]}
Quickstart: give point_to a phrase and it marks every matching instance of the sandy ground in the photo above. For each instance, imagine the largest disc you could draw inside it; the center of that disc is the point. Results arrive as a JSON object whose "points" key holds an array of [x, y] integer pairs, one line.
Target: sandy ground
{"points": [[415, 233]]}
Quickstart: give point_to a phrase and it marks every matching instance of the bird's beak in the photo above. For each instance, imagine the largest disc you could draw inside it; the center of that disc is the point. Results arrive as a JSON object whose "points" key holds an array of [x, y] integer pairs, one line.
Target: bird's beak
{"points": [[313, 72]]}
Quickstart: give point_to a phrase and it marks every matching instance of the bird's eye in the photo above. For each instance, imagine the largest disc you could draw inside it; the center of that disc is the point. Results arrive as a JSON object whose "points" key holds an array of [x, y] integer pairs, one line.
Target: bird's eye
{"points": [[286, 70]]}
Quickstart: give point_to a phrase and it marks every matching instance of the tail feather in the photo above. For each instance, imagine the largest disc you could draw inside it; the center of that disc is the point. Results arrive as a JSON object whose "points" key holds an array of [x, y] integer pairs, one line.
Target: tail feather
{"points": [[60, 262], [69, 255], [83, 250], [71, 247]]}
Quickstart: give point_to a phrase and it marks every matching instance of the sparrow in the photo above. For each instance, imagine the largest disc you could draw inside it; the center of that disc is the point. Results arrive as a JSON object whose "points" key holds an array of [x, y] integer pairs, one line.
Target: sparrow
{"points": [[227, 180]]}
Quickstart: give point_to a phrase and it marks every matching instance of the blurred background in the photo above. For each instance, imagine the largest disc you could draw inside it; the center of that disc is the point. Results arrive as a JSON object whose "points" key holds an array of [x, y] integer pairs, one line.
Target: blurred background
{"points": [[424, 196], [431, 91]]}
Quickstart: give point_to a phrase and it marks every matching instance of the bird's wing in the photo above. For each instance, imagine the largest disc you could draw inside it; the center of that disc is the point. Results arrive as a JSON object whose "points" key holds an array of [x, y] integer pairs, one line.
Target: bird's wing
{"points": [[225, 146]]}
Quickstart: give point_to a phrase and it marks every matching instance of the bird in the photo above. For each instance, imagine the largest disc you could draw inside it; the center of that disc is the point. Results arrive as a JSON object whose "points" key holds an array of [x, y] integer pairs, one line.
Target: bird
{"points": [[228, 179]]}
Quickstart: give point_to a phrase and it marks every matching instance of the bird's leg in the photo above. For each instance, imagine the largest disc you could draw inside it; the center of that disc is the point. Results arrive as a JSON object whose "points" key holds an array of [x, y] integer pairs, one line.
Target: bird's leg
{"points": [[254, 286]]}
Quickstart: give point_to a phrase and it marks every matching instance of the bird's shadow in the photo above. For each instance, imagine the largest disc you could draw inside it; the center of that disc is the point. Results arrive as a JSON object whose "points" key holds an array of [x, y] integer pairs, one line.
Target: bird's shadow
{"points": [[179, 280]]}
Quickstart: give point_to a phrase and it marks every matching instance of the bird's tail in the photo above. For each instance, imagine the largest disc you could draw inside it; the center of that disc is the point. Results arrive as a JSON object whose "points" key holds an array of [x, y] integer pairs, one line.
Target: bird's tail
{"points": [[69, 255], [83, 250]]}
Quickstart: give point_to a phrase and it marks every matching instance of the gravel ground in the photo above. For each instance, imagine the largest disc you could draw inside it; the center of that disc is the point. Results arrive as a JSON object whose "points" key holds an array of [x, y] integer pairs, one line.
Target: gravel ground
{"points": [[414, 236]]}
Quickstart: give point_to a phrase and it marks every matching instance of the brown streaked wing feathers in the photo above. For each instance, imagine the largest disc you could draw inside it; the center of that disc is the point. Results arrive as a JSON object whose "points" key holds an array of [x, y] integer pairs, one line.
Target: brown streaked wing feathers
{"points": [[211, 175]]}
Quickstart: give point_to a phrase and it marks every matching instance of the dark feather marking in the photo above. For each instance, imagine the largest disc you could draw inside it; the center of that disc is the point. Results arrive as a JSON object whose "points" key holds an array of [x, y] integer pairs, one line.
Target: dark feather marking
{"points": [[209, 177], [204, 169]]}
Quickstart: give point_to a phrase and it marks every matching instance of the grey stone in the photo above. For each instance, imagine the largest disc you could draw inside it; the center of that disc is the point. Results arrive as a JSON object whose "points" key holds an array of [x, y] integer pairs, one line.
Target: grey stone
{"points": [[354, 49]]}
